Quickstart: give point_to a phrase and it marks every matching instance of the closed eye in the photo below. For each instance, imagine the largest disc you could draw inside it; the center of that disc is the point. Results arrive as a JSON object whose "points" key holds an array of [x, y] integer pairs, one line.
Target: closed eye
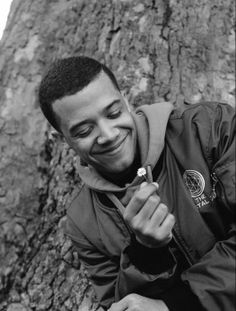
{"points": [[114, 110], [83, 132], [115, 114]]}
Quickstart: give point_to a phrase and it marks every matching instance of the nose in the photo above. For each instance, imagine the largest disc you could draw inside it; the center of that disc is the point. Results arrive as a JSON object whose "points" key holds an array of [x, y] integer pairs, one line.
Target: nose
{"points": [[108, 133]]}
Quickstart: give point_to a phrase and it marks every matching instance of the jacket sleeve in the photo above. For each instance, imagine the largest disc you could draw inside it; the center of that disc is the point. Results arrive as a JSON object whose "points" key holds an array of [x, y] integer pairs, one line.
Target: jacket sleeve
{"points": [[114, 278], [212, 279]]}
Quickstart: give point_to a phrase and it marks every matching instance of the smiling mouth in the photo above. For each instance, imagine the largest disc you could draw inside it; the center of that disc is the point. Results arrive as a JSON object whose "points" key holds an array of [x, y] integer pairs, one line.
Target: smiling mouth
{"points": [[112, 149]]}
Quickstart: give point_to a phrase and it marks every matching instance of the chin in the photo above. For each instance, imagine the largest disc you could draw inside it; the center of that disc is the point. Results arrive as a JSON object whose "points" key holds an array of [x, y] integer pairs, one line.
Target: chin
{"points": [[119, 168]]}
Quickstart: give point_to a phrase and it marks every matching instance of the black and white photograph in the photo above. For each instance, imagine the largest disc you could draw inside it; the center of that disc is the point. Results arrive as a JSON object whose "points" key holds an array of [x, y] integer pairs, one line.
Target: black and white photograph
{"points": [[117, 155]]}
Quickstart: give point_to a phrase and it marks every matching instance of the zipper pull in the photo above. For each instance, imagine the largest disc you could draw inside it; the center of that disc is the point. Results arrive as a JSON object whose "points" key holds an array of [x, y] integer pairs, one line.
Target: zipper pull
{"points": [[215, 180]]}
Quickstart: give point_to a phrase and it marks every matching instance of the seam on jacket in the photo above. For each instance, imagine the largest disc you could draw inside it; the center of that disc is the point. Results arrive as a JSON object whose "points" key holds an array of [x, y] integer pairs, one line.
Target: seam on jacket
{"points": [[178, 112], [76, 239], [210, 108], [210, 117], [225, 165], [217, 109], [76, 197]]}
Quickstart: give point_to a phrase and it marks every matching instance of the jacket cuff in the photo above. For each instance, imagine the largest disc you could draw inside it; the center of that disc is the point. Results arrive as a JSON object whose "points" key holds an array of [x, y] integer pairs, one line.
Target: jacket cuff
{"points": [[181, 298], [150, 260]]}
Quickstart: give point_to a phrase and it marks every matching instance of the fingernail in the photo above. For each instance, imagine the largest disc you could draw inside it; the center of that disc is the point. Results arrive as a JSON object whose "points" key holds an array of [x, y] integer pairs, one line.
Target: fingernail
{"points": [[156, 185], [143, 184]]}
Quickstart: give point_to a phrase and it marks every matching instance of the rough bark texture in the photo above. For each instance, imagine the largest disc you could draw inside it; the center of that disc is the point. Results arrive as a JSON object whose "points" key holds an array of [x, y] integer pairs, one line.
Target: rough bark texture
{"points": [[158, 49]]}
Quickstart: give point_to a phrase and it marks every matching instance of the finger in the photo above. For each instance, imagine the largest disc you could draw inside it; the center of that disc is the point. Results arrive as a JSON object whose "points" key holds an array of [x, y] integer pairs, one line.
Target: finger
{"points": [[167, 226], [164, 232], [153, 183], [146, 212], [121, 305], [159, 215], [138, 200], [143, 184]]}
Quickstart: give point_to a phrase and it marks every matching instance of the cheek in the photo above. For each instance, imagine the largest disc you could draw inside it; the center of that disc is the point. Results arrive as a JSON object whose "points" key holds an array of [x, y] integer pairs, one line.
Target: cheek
{"points": [[81, 147], [128, 121], [131, 126]]}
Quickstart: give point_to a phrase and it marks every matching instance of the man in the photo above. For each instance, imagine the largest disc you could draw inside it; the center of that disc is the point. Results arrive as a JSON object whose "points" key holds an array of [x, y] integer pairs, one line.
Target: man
{"points": [[162, 239]]}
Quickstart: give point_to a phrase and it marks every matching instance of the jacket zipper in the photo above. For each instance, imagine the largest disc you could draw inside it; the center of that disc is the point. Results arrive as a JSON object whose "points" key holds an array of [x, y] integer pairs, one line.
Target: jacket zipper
{"points": [[222, 190], [215, 180], [182, 249], [175, 237]]}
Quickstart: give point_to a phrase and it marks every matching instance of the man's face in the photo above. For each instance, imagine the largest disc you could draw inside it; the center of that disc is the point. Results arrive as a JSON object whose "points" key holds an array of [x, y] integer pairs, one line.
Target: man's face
{"points": [[96, 123]]}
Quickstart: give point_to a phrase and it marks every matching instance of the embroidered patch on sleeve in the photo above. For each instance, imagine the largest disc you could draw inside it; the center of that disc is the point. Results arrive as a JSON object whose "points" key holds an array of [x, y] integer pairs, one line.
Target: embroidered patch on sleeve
{"points": [[195, 183]]}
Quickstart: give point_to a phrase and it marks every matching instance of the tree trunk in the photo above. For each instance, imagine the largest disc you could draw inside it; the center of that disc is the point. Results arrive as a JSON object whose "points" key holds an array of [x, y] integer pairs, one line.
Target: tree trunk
{"points": [[159, 49]]}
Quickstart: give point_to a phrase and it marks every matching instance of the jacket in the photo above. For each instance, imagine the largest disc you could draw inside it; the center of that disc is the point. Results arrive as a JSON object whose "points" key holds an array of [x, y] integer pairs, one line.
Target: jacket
{"points": [[196, 144]]}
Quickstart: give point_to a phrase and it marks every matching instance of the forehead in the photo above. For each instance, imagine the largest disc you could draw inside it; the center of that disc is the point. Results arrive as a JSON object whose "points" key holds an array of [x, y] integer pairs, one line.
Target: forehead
{"points": [[88, 102]]}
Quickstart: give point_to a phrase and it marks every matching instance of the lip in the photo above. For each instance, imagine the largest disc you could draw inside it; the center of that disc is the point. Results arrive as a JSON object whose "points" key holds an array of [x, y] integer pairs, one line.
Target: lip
{"points": [[113, 149]]}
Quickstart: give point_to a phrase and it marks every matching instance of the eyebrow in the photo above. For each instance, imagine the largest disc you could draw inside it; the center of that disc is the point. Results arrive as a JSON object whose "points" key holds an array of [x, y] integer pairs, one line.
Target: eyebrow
{"points": [[75, 126]]}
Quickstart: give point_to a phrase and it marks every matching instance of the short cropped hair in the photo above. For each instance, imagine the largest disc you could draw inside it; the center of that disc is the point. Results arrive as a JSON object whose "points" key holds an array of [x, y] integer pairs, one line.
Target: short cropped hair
{"points": [[67, 77]]}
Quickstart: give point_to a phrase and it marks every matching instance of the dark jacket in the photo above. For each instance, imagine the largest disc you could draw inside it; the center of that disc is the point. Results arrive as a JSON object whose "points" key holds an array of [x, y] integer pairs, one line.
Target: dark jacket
{"points": [[197, 183]]}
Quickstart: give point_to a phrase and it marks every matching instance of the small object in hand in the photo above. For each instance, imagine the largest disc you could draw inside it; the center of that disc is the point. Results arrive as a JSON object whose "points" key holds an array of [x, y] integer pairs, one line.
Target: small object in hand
{"points": [[146, 173], [141, 172]]}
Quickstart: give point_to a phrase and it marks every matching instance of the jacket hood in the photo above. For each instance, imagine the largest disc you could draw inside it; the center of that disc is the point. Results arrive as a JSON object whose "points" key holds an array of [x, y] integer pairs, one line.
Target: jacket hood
{"points": [[150, 122]]}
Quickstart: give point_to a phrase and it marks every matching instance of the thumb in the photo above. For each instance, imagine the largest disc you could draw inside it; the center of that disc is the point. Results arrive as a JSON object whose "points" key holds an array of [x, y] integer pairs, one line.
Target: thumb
{"points": [[121, 305], [143, 184]]}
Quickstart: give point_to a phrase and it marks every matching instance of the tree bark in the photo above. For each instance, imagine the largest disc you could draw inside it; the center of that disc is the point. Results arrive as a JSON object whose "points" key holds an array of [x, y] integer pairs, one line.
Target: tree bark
{"points": [[159, 50]]}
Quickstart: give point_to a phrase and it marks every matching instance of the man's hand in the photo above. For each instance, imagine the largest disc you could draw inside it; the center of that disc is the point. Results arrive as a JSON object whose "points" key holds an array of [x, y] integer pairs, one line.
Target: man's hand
{"points": [[149, 219], [134, 302]]}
